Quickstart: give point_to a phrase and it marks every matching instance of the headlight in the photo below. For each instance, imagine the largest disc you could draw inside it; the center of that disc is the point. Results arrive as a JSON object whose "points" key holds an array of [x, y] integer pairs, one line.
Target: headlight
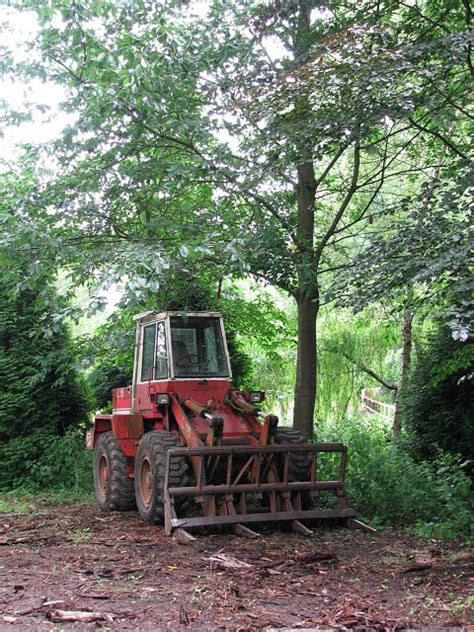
{"points": [[162, 399], [256, 396]]}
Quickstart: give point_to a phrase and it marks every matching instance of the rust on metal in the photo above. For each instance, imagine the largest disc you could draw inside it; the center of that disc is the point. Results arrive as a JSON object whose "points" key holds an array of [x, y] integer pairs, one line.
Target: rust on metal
{"points": [[250, 473]]}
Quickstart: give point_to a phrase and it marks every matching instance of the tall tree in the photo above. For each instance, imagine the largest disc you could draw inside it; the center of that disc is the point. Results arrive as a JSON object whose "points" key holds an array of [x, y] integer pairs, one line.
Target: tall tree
{"points": [[261, 136]]}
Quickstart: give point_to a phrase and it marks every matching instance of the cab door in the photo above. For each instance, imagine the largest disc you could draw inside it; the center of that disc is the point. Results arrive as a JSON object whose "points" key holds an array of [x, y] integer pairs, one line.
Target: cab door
{"points": [[152, 363]]}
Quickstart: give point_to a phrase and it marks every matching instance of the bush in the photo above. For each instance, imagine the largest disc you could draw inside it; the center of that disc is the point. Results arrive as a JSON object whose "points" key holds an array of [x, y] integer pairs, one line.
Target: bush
{"points": [[41, 387], [46, 462], [438, 404], [388, 487], [42, 396]]}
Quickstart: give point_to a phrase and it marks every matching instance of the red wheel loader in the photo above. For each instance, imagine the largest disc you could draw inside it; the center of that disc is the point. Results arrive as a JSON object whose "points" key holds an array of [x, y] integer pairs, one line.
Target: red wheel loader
{"points": [[192, 452]]}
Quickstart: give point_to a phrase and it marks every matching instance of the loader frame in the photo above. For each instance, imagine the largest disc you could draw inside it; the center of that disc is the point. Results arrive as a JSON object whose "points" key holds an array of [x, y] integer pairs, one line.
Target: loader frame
{"points": [[218, 503]]}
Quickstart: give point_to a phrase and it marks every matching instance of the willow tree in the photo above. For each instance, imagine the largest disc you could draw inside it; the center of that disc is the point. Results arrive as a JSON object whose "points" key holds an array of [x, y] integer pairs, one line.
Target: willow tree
{"points": [[263, 137]]}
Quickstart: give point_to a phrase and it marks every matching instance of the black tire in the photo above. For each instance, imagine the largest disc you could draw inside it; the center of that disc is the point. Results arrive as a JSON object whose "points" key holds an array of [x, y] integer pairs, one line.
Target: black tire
{"points": [[113, 487], [150, 465], [299, 465]]}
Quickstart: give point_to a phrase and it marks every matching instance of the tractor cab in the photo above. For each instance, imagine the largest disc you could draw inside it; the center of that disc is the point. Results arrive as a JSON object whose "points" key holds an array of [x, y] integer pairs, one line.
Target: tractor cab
{"points": [[175, 347]]}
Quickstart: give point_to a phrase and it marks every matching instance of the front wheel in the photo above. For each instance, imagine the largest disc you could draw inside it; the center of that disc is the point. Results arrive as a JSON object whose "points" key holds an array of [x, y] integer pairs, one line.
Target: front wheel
{"points": [[299, 463], [150, 469], [113, 487]]}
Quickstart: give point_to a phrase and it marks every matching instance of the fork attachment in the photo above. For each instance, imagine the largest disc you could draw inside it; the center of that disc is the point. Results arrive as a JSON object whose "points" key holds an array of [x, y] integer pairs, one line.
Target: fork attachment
{"points": [[249, 484]]}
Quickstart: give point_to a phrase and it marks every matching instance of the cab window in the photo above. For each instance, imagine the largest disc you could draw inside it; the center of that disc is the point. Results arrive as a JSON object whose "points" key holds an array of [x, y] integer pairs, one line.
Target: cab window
{"points": [[197, 347], [154, 356]]}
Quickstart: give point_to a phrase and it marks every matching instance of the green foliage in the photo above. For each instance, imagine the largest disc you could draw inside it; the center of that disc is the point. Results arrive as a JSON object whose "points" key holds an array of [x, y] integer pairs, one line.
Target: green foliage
{"points": [[348, 343], [428, 249], [388, 487], [438, 404], [43, 461], [42, 393], [9, 504], [79, 536], [40, 384], [275, 374], [106, 376], [265, 332]]}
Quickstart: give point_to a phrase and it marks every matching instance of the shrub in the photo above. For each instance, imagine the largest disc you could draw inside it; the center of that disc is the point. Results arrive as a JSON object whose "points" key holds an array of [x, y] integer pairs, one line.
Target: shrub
{"points": [[40, 385], [388, 487], [438, 404], [44, 461], [42, 394]]}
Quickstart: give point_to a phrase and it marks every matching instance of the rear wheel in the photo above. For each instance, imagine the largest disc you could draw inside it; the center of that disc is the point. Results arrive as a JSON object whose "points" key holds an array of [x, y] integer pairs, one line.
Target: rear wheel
{"points": [[299, 464], [150, 468], [113, 487]]}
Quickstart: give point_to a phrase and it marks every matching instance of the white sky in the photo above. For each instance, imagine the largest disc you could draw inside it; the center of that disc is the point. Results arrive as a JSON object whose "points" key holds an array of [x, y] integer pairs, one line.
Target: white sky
{"points": [[43, 127]]}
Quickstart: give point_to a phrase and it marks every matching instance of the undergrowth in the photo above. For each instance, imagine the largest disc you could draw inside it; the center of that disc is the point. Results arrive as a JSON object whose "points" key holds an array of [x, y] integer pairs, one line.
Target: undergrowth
{"points": [[388, 487], [39, 463]]}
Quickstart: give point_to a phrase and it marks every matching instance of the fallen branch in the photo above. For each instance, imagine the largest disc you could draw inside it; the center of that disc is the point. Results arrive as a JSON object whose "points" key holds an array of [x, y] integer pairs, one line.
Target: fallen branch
{"points": [[417, 567], [78, 615], [94, 595], [183, 616]]}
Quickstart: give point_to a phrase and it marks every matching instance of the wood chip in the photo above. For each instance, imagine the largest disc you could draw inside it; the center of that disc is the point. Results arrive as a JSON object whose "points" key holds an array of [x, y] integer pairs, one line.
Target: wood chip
{"points": [[227, 561]]}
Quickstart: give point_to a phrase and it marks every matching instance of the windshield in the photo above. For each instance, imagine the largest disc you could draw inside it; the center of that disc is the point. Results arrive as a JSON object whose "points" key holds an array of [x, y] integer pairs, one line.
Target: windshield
{"points": [[197, 346]]}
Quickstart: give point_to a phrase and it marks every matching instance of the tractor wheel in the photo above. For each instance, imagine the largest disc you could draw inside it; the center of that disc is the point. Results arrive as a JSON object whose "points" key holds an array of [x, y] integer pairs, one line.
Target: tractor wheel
{"points": [[299, 465], [150, 466], [113, 487]]}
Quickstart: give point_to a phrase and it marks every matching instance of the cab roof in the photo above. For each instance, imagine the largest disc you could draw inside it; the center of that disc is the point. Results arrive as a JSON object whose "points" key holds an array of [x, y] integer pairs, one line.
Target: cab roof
{"points": [[148, 315]]}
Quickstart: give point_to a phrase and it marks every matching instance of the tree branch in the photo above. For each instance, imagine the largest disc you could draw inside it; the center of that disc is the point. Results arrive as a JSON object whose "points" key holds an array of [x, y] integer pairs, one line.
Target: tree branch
{"points": [[468, 8], [365, 369], [73, 74], [342, 208], [331, 164], [440, 137]]}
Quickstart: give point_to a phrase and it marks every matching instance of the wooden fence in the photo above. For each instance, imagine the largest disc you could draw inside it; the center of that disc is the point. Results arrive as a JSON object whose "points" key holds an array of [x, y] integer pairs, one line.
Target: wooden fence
{"points": [[375, 407]]}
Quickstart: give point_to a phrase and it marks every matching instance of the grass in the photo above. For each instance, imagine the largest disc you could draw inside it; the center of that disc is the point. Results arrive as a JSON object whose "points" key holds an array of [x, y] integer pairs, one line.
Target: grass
{"points": [[462, 604], [79, 536], [10, 504], [21, 502]]}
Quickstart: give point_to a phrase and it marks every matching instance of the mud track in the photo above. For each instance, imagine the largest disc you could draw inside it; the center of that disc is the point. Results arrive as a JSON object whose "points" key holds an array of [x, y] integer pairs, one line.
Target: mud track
{"points": [[71, 567]]}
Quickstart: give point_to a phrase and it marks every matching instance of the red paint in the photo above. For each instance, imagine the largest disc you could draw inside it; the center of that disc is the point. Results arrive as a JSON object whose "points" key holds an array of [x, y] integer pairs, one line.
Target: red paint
{"points": [[192, 428], [121, 398]]}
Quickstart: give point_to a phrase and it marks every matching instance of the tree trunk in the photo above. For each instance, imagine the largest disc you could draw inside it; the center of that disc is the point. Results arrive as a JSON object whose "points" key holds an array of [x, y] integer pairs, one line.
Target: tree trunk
{"points": [[406, 358], [307, 296], [305, 385]]}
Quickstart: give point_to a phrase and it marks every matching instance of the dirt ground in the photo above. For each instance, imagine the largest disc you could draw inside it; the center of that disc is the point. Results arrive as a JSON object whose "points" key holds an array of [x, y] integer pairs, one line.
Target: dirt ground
{"points": [[114, 572]]}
